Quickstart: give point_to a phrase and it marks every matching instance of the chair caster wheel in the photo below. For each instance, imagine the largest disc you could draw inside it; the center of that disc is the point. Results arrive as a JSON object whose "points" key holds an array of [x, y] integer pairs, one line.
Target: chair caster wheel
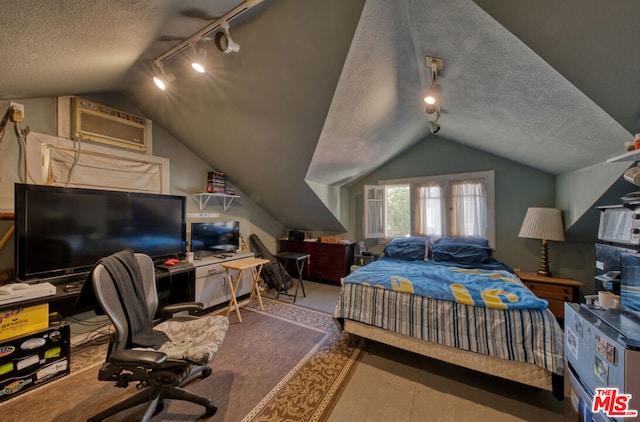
{"points": [[211, 409], [206, 372]]}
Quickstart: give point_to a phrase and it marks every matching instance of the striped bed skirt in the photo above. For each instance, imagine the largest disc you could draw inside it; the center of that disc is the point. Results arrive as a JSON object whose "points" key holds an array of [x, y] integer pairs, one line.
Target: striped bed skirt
{"points": [[519, 335]]}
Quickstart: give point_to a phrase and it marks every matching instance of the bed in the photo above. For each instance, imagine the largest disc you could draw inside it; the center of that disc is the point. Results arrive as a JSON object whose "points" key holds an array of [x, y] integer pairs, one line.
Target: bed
{"points": [[451, 300]]}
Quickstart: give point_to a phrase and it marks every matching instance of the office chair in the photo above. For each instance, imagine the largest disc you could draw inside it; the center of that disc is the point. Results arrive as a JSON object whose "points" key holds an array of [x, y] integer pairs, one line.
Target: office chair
{"points": [[163, 358]]}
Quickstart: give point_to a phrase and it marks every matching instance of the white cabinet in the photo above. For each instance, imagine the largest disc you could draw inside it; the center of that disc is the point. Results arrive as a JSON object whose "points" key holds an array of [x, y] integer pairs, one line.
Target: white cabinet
{"points": [[212, 284]]}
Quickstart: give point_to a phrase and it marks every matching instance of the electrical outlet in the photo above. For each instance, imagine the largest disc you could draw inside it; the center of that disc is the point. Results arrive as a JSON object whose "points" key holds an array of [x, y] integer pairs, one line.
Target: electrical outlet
{"points": [[17, 111], [203, 215]]}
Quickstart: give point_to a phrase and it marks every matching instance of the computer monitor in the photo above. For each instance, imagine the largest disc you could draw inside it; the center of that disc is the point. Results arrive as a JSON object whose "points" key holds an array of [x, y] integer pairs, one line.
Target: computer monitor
{"points": [[215, 237]]}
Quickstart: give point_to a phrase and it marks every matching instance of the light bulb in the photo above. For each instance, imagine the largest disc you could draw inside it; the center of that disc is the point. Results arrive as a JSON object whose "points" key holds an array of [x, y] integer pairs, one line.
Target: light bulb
{"points": [[198, 67], [159, 83], [163, 79]]}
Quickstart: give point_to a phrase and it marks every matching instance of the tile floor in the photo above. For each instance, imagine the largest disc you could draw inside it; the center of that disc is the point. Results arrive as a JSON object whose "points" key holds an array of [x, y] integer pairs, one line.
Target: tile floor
{"points": [[393, 385]]}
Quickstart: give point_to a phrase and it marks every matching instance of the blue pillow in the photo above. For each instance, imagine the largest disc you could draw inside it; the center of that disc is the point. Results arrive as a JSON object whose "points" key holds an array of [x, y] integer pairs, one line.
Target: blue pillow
{"points": [[478, 241], [408, 248], [410, 239], [461, 253]]}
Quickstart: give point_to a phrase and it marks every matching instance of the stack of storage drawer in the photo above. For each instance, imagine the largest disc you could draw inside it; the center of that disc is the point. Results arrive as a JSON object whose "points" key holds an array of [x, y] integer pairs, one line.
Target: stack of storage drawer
{"points": [[30, 360]]}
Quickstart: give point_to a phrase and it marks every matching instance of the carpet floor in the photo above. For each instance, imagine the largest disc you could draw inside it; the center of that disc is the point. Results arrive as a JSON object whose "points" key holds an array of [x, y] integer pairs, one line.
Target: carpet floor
{"points": [[284, 363]]}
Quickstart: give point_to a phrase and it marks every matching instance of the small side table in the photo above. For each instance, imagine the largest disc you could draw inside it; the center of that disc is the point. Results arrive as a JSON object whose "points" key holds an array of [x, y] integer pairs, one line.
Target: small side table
{"points": [[362, 260], [556, 290], [300, 258], [253, 264]]}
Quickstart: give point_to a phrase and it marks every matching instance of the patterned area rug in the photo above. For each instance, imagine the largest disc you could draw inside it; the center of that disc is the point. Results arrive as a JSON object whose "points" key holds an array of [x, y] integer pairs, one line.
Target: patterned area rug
{"points": [[312, 387], [283, 363]]}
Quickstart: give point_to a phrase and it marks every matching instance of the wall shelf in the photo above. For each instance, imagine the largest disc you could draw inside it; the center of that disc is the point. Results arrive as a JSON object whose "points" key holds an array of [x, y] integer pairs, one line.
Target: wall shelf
{"points": [[627, 156], [203, 199]]}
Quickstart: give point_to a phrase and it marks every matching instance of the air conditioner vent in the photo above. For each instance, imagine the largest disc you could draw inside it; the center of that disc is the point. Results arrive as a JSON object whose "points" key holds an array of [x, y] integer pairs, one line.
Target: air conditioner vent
{"points": [[98, 123]]}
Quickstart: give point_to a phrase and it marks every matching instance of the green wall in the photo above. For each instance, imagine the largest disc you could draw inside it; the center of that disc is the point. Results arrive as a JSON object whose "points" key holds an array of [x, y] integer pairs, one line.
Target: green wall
{"points": [[518, 187]]}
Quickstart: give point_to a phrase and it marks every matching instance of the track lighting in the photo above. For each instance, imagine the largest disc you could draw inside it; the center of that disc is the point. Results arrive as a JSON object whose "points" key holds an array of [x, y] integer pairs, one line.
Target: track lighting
{"points": [[162, 79], [432, 98], [224, 42]]}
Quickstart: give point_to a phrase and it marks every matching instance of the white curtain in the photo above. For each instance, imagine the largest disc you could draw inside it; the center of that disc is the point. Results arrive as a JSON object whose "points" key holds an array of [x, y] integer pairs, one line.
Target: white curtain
{"points": [[374, 218], [428, 210], [468, 208]]}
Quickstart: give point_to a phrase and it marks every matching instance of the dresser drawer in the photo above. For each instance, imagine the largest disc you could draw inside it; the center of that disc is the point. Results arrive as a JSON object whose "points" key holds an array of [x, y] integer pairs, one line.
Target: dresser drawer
{"points": [[209, 270], [549, 291], [328, 261], [556, 307], [328, 274], [329, 250]]}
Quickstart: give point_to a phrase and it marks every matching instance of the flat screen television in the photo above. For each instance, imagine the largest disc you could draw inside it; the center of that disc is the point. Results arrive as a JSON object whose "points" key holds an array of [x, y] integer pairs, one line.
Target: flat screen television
{"points": [[215, 237], [61, 232]]}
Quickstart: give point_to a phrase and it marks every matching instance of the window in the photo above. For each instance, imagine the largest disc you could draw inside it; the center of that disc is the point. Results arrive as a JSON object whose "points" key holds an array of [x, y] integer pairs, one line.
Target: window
{"points": [[436, 206], [387, 211]]}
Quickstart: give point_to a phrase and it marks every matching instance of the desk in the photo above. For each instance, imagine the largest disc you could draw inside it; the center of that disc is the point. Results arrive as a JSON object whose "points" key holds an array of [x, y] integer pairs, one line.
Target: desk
{"points": [[255, 265], [299, 258]]}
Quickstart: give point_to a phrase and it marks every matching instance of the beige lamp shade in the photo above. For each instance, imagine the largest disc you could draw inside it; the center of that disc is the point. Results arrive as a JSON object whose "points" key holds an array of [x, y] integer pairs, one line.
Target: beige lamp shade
{"points": [[543, 223]]}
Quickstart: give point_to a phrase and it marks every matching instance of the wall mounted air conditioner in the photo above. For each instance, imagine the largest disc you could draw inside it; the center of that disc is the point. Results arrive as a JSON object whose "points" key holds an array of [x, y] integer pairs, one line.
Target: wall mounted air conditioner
{"points": [[79, 118]]}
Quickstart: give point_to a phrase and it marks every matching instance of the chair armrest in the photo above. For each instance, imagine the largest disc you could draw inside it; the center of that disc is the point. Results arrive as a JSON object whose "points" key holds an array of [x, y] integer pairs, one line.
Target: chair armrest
{"points": [[169, 310], [146, 358]]}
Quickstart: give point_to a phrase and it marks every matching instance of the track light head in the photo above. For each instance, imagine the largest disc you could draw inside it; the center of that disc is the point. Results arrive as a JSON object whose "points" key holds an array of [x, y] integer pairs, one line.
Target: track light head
{"points": [[162, 79], [163, 82], [434, 127], [199, 57], [224, 42], [432, 97]]}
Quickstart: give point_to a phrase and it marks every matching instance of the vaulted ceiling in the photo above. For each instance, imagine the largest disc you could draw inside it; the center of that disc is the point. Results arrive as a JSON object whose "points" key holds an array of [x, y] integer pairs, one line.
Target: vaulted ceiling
{"points": [[324, 91]]}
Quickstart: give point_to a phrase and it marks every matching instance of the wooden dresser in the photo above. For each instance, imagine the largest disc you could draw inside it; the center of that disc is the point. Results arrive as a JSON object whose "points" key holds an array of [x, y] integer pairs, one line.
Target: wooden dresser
{"points": [[555, 290], [328, 261]]}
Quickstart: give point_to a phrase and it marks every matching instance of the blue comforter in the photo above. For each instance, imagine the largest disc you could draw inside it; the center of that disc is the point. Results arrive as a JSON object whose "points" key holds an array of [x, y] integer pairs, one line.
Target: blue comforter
{"points": [[490, 285]]}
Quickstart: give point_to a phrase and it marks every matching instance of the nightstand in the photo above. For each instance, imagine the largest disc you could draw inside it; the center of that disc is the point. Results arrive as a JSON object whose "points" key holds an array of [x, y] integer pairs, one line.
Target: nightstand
{"points": [[363, 260], [555, 290]]}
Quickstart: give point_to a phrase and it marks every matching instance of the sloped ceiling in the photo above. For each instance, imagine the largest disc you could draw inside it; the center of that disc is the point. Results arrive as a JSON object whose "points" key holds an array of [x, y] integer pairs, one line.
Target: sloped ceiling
{"points": [[497, 93], [324, 91]]}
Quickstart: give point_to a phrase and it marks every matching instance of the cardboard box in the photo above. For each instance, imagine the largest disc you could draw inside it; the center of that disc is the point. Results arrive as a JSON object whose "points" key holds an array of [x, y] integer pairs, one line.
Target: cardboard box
{"points": [[34, 359], [330, 239], [21, 321]]}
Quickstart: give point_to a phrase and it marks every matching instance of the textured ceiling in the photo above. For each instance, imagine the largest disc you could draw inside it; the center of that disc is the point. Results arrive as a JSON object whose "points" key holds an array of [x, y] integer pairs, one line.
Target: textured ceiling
{"points": [[318, 92], [496, 94]]}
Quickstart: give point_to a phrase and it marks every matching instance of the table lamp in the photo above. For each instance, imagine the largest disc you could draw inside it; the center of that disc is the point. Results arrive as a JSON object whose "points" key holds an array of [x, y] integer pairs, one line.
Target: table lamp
{"points": [[545, 224]]}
